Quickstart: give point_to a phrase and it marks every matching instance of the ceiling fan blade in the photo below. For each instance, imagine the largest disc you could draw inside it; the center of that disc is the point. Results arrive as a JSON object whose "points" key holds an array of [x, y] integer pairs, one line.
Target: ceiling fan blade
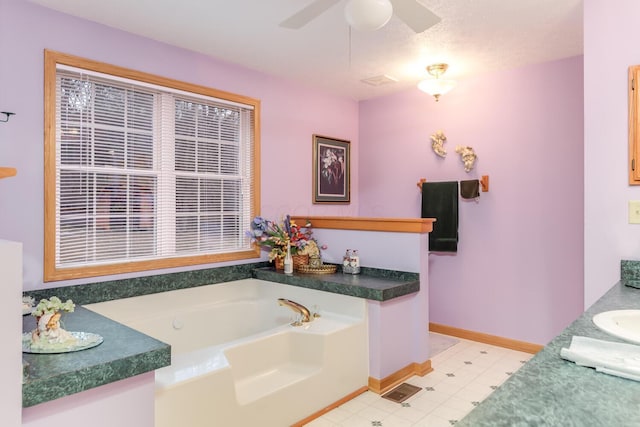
{"points": [[415, 15], [307, 14]]}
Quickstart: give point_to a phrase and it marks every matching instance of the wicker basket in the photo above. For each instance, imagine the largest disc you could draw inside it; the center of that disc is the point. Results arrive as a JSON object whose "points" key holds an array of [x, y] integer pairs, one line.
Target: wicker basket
{"points": [[298, 261]]}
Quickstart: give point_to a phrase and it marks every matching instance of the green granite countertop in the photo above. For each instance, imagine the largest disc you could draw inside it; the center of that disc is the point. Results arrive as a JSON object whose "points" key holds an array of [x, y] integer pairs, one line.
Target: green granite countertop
{"points": [[124, 353], [550, 391], [373, 284]]}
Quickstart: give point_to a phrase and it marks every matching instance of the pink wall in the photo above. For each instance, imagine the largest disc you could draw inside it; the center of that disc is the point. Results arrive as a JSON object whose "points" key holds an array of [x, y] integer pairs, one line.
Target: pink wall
{"points": [[291, 113], [610, 46], [128, 402], [518, 272]]}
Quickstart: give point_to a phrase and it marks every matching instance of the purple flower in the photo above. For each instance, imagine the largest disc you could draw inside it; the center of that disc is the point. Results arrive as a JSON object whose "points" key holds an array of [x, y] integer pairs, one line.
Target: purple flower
{"points": [[287, 225], [259, 223]]}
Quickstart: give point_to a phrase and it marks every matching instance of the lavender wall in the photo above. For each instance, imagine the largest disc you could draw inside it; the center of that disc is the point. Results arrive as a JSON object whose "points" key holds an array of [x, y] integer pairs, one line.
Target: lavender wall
{"points": [[291, 113], [521, 244], [518, 272], [610, 47]]}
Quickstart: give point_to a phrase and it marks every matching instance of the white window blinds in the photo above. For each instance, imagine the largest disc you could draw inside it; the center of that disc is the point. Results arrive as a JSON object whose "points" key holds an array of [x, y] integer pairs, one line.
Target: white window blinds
{"points": [[145, 172]]}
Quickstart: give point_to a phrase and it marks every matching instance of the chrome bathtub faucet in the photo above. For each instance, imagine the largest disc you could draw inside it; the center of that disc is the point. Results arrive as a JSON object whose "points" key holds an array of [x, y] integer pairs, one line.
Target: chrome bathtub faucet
{"points": [[303, 311]]}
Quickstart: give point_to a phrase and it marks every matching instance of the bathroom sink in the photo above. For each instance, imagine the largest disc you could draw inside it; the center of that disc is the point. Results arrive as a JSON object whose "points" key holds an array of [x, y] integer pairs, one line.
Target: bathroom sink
{"points": [[623, 324]]}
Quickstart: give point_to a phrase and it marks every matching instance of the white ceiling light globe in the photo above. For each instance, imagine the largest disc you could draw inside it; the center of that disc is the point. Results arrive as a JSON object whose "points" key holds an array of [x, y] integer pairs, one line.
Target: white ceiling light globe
{"points": [[368, 15]]}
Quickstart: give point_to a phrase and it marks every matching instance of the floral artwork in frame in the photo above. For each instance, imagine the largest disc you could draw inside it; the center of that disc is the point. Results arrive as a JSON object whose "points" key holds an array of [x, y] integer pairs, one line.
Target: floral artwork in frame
{"points": [[331, 170]]}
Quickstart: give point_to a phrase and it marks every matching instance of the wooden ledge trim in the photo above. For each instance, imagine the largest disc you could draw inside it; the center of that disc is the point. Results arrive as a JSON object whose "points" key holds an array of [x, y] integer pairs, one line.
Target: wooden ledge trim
{"points": [[400, 225], [334, 405], [486, 338], [381, 386], [7, 172]]}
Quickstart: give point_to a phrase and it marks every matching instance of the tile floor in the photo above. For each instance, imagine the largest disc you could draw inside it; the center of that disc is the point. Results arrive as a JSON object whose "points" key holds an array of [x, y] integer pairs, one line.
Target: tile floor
{"points": [[463, 375]]}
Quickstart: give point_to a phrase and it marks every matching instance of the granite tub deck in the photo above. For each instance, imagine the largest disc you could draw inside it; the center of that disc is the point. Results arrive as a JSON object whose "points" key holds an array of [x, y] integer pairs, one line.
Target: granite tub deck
{"points": [[123, 354], [126, 352], [372, 284], [550, 391]]}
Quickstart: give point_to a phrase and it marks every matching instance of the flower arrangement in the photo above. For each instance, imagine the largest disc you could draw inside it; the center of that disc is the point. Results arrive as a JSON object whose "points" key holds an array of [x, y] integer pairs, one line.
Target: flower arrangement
{"points": [[276, 236]]}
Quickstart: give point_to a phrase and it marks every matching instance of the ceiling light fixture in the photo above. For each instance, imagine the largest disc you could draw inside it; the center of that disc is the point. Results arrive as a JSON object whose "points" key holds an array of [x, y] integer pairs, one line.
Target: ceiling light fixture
{"points": [[436, 86], [368, 15]]}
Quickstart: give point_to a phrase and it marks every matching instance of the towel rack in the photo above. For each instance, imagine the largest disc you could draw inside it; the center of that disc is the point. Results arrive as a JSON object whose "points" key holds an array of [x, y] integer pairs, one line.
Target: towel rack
{"points": [[419, 183], [484, 183]]}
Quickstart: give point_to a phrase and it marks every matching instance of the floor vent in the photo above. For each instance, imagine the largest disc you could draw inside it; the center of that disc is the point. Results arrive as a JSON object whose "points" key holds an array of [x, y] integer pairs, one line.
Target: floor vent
{"points": [[401, 393]]}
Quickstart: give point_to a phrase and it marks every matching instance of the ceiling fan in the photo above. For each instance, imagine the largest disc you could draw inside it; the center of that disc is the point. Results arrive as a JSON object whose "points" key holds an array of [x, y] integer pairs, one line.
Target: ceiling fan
{"points": [[368, 14]]}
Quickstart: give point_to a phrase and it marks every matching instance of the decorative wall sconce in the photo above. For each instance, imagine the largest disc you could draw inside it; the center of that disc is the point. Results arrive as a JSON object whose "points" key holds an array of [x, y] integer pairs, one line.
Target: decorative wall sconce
{"points": [[7, 115], [467, 156], [436, 86], [437, 143]]}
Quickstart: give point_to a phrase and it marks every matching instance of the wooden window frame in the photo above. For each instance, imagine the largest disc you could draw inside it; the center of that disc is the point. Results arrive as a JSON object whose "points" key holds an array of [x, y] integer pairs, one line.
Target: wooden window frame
{"points": [[54, 273]]}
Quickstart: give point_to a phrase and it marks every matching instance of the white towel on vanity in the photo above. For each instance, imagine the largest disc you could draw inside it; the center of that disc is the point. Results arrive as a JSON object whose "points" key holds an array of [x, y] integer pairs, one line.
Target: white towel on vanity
{"points": [[613, 358]]}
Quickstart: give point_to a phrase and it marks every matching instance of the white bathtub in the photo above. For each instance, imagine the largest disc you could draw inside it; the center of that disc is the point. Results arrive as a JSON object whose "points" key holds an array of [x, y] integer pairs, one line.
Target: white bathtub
{"points": [[237, 361]]}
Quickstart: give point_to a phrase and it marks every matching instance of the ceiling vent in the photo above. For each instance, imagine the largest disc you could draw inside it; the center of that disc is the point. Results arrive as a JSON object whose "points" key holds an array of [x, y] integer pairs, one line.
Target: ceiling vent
{"points": [[379, 80]]}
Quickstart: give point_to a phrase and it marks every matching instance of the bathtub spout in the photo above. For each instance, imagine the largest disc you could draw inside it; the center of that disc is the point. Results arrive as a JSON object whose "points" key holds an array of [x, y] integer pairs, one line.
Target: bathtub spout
{"points": [[298, 308]]}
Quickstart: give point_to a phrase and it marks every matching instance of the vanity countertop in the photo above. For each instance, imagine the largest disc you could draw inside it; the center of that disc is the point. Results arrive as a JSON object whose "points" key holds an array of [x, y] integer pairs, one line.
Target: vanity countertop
{"points": [[550, 391], [372, 284], [124, 353]]}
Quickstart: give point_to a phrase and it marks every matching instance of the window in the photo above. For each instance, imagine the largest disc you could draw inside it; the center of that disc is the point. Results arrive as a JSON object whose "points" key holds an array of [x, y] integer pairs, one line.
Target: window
{"points": [[143, 172]]}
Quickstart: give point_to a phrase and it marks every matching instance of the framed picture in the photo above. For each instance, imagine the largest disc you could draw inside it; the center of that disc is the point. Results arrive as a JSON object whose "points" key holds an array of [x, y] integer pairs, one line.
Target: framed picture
{"points": [[331, 170]]}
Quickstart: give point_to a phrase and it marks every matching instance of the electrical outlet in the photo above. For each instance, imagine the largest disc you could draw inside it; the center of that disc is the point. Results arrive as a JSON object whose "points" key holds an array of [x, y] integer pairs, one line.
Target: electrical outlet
{"points": [[634, 211]]}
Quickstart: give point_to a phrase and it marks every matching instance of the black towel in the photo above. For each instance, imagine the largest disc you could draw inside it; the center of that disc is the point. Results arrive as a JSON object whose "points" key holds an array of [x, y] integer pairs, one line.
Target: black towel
{"points": [[440, 201], [470, 189]]}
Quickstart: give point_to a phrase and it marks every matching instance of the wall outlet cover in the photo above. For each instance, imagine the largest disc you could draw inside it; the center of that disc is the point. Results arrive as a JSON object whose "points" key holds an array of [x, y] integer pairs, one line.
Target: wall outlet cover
{"points": [[634, 211]]}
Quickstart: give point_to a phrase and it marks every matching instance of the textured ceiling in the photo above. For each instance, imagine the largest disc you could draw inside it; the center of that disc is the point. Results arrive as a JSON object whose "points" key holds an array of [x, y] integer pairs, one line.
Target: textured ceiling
{"points": [[473, 36]]}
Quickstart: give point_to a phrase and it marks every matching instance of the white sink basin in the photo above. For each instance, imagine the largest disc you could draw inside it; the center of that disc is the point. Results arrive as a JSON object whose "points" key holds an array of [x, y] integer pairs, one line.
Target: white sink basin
{"points": [[623, 324]]}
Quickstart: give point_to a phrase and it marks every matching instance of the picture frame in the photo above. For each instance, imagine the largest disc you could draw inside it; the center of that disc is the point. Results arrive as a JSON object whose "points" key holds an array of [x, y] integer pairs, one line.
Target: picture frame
{"points": [[331, 170]]}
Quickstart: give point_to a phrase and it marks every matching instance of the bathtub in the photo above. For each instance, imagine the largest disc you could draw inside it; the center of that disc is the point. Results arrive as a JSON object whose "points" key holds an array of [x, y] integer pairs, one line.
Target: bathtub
{"points": [[236, 358]]}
